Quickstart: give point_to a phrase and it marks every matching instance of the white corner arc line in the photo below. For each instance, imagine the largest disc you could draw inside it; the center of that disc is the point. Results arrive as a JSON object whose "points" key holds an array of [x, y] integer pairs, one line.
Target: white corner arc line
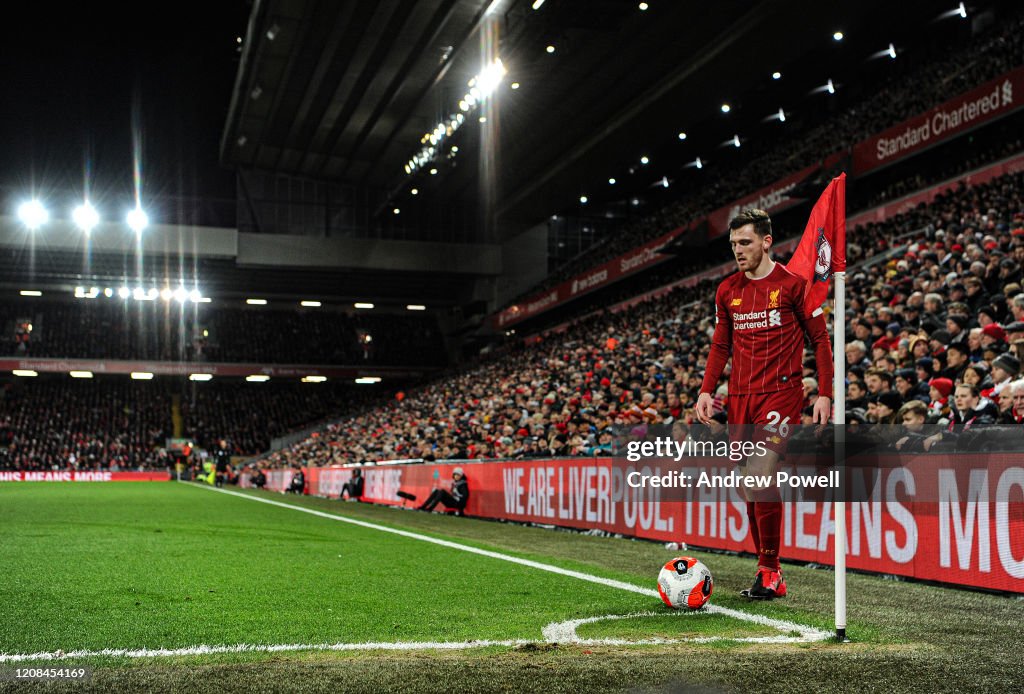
{"points": [[565, 632]]}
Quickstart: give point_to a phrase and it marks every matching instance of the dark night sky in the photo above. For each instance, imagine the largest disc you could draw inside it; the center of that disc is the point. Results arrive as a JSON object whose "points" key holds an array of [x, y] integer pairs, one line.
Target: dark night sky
{"points": [[71, 74]]}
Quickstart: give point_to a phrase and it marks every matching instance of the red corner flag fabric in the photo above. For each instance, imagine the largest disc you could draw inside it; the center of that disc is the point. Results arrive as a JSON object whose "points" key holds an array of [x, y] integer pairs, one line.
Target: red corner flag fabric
{"points": [[822, 249]]}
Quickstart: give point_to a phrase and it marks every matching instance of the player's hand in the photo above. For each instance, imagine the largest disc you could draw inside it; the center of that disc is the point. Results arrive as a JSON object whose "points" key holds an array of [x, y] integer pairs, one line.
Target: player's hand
{"points": [[705, 408], [822, 412]]}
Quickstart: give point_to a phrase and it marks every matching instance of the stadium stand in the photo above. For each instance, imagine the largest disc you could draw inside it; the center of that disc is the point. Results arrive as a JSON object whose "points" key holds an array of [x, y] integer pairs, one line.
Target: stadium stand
{"points": [[100, 424], [800, 145], [560, 393], [112, 328], [113, 423]]}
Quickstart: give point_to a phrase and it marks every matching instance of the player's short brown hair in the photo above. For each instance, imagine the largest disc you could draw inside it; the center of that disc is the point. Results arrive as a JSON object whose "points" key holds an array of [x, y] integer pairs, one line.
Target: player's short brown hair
{"points": [[759, 218]]}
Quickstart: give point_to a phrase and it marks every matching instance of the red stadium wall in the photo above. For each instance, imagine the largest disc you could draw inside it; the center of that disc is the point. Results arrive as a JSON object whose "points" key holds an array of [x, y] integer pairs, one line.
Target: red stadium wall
{"points": [[913, 526]]}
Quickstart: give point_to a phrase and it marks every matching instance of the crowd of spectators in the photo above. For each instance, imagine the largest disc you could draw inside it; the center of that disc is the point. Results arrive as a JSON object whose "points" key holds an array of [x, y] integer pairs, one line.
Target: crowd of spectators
{"points": [[249, 415], [113, 423], [801, 144], [943, 307], [114, 328], [97, 424]]}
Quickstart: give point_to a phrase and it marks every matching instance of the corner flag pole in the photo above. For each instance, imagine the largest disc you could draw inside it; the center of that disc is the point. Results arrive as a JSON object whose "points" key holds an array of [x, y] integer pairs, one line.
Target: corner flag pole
{"points": [[839, 391]]}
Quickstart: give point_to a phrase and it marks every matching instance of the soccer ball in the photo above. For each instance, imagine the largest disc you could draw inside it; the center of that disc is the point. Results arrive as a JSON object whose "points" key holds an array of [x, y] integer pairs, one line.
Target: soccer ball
{"points": [[685, 582]]}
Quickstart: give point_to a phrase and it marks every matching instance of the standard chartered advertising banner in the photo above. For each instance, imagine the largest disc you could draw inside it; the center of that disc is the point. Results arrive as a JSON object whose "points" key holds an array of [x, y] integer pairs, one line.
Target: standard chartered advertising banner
{"points": [[1000, 97], [627, 264]]}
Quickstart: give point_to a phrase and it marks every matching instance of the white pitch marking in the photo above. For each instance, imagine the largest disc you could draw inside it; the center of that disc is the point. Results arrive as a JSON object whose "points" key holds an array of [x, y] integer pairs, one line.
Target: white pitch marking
{"points": [[565, 632], [256, 648], [559, 632]]}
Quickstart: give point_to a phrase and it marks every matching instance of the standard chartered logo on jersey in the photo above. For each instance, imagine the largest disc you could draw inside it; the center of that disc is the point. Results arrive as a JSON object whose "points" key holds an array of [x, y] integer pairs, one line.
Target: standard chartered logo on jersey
{"points": [[757, 319]]}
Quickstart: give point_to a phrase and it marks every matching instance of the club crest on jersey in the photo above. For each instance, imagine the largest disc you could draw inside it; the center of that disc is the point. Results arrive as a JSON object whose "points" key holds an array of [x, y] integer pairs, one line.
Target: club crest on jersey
{"points": [[823, 258], [773, 298], [737, 302]]}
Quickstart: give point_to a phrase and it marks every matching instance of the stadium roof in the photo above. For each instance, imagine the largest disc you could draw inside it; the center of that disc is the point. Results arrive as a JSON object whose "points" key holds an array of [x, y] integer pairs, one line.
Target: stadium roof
{"points": [[345, 90]]}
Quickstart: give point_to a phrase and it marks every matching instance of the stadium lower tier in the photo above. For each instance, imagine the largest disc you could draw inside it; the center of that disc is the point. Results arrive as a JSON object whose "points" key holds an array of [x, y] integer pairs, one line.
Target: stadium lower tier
{"points": [[114, 423]]}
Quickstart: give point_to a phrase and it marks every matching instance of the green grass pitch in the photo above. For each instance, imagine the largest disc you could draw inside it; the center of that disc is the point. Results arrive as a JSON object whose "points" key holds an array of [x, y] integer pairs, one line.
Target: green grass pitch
{"points": [[146, 565]]}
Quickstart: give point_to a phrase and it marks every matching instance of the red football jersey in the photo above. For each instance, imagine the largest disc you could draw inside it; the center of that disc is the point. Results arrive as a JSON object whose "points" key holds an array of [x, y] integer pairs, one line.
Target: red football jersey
{"points": [[762, 323]]}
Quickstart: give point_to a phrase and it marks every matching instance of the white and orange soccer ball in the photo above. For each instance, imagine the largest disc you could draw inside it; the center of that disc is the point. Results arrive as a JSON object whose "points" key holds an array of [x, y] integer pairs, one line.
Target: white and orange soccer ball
{"points": [[685, 582]]}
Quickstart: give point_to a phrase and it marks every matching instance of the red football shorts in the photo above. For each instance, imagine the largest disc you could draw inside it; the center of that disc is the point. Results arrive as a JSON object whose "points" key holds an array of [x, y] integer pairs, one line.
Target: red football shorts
{"points": [[768, 417]]}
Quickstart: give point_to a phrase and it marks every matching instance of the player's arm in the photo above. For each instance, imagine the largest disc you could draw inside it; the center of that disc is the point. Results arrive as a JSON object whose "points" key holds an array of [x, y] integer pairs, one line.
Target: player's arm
{"points": [[816, 330], [718, 357]]}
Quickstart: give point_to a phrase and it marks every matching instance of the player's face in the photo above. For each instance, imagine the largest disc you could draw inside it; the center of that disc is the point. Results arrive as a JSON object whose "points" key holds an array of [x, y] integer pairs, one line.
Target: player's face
{"points": [[747, 247]]}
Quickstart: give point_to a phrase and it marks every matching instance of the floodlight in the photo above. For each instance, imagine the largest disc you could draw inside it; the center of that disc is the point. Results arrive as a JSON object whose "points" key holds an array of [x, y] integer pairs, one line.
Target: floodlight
{"points": [[32, 214], [85, 217], [138, 220]]}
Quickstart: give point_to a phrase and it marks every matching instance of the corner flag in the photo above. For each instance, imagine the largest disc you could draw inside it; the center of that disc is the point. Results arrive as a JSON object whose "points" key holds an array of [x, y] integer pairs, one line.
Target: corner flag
{"points": [[822, 249], [820, 256]]}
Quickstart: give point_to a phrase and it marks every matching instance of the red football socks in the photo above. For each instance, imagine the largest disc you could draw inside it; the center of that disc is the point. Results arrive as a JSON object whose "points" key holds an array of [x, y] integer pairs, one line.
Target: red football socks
{"points": [[768, 533], [752, 519]]}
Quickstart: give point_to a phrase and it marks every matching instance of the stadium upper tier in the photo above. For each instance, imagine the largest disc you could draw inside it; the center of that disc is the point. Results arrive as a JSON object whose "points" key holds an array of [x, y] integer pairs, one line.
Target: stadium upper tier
{"points": [[921, 84], [114, 328]]}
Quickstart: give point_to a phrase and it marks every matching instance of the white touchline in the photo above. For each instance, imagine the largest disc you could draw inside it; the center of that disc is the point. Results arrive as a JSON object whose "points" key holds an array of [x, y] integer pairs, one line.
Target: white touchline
{"points": [[559, 632]]}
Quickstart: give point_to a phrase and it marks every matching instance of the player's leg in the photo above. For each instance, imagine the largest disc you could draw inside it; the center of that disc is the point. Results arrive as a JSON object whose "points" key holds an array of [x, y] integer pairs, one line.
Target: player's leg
{"points": [[764, 500], [776, 418], [737, 411]]}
